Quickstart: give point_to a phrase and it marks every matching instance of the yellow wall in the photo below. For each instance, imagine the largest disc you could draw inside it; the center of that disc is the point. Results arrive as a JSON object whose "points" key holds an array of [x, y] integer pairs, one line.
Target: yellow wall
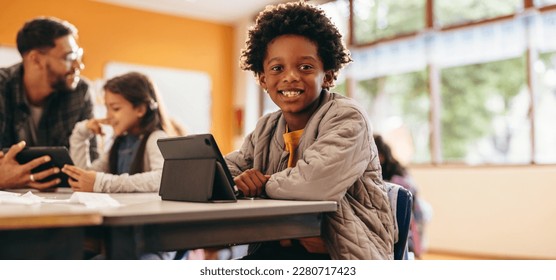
{"points": [[502, 212], [113, 33]]}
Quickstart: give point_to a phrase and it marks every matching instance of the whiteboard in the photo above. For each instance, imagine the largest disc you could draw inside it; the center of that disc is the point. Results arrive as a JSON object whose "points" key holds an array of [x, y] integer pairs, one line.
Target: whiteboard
{"points": [[186, 94], [9, 56]]}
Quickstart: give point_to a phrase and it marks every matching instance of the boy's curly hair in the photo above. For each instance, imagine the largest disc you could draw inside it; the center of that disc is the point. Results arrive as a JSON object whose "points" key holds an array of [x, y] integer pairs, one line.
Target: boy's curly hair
{"points": [[297, 18]]}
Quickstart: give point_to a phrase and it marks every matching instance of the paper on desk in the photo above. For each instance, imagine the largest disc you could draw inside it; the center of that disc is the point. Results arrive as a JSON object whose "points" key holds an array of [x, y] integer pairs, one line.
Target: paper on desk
{"points": [[90, 200], [94, 200], [16, 198]]}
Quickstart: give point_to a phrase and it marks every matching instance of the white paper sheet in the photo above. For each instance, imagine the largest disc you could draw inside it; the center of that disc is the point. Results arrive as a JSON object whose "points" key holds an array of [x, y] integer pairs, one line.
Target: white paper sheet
{"points": [[90, 200]]}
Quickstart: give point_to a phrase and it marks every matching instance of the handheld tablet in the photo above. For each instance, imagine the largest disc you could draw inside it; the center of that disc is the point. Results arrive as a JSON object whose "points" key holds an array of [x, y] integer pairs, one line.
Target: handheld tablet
{"points": [[194, 170], [59, 156]]}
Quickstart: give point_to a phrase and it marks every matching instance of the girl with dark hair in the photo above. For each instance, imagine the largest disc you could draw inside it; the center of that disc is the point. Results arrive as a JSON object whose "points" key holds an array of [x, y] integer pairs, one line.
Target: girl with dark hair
{"points": [[390, 165], [134, 162]]}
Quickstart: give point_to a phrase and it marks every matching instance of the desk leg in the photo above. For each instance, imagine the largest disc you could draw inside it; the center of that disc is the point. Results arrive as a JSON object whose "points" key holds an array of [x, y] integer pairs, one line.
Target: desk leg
{"points": [[42, 244], [124, 243]]}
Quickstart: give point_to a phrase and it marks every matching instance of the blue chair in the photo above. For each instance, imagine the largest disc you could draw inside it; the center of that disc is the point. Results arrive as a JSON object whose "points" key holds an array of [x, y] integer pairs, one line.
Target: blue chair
{"points": [[401, 202]]}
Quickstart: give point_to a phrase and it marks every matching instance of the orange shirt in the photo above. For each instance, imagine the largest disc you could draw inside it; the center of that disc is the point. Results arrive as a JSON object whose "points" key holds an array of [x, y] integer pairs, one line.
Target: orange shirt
{"points": [[292, 141]]}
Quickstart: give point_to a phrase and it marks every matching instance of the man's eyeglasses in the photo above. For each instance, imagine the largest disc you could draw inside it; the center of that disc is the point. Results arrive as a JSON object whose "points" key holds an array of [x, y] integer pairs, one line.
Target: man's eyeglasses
{"points": [[70, 58], [75, 56]]}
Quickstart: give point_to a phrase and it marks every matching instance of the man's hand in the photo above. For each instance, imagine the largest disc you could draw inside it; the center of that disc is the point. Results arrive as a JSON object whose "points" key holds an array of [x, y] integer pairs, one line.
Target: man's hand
{"points": [[15, 175]]}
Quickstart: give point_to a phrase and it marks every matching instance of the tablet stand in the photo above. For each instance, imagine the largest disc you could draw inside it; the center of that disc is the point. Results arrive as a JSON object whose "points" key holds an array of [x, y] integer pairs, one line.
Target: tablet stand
{"points": [[197, 180]]}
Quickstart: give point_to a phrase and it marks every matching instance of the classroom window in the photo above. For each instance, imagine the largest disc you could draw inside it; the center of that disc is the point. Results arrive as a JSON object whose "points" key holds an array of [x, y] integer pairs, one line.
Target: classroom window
{"points": [[541, 3], [398, 107], [449, 12], [545, 113], [485, 62], [377, 19], [338, 11], [484, 115]]}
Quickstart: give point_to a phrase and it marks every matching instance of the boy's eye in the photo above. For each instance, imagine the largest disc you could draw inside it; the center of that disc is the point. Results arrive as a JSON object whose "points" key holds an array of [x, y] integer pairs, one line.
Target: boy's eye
{"points": [[276, 68], [306, 67]]}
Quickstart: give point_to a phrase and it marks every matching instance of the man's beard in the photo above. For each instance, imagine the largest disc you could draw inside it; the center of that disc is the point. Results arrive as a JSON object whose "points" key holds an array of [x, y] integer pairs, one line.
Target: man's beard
{"points": [[60, 82]]}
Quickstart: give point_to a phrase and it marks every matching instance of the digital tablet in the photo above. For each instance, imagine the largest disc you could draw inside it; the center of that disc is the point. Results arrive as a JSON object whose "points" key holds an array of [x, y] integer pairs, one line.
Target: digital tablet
{"points": [[58, 157], [194, 170]]}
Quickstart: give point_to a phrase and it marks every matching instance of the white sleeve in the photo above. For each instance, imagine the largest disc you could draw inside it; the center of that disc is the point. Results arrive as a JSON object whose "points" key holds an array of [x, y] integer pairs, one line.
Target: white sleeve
{"points": [[141, 182], [148, 181], [79, 149], [153, 156]]}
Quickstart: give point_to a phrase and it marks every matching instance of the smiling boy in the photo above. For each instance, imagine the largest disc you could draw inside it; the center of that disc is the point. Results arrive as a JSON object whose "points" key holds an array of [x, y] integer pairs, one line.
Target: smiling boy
{"points": [[318, 146]]}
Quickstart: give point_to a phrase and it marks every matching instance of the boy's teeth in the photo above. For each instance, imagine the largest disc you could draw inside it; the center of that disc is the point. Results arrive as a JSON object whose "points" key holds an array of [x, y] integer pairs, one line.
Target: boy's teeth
{"points": [[290, 93]]}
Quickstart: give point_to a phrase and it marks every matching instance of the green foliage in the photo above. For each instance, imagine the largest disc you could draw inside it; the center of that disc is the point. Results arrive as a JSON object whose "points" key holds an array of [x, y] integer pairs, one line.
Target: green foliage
{"points": [[406, 96], [340, 88], [449, 12], [465, 92], [371, 87], [385, 18]]}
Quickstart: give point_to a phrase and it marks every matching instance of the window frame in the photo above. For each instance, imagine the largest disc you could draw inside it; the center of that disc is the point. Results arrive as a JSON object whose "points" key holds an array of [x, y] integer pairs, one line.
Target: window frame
{"points": [[434, 80]]}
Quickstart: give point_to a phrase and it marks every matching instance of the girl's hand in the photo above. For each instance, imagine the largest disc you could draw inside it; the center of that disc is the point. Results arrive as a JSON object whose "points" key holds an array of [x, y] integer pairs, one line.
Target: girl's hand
{"points": [[251, 182], [95, 125], [80, 180]]}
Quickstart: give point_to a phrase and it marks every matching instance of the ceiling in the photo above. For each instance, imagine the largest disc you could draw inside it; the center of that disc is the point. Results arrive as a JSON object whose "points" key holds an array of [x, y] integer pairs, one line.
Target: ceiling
{"points": [[223, 11]]}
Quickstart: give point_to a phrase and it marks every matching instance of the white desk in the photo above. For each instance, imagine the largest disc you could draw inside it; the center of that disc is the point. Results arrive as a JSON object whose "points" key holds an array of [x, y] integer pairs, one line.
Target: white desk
{"points": [[145, 223]]}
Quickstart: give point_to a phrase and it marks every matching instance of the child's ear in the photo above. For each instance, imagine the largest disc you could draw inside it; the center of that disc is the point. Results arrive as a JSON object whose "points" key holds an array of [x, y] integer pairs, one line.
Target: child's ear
{"points": [[328, 79], [141, 110], [262, 80]]}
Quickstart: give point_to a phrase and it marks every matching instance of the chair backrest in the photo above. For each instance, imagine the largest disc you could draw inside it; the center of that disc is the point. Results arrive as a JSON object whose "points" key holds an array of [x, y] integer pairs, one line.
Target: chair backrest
{"points": [[401, 202]]}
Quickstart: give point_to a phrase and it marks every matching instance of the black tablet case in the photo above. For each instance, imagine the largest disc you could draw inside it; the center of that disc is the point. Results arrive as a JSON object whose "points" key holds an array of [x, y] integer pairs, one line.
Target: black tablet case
{"points": [[59, 156], [194, 170]]}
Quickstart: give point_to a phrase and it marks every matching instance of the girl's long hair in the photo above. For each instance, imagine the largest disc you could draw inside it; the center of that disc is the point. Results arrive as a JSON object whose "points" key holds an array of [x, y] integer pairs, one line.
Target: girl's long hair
{"points": [[390, 165]]}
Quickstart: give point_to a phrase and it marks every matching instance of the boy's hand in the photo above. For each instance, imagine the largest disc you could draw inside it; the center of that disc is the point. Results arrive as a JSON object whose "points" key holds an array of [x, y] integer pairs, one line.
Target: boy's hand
{"points": [[80, 180], [251, 182]]}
